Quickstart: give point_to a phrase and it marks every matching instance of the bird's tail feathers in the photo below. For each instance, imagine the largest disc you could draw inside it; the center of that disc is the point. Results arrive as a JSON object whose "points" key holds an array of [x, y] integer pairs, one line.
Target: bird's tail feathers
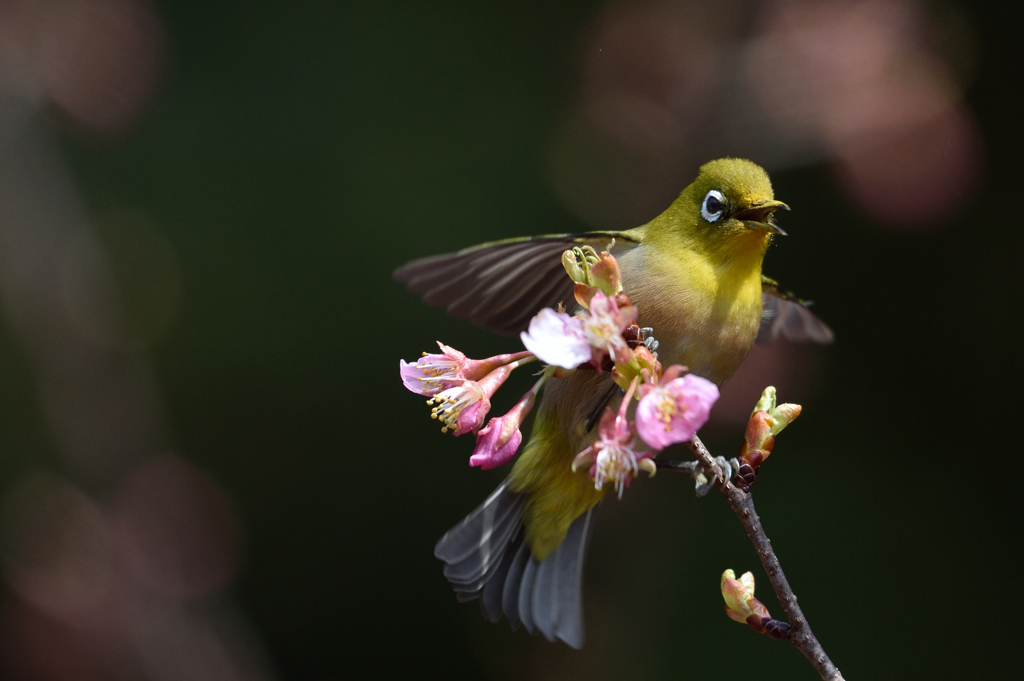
{"points": [[486, 557]]}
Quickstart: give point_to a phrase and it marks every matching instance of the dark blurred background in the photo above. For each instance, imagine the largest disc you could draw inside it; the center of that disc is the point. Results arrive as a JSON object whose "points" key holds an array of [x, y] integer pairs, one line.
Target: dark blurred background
{"points": [[208, 466]]}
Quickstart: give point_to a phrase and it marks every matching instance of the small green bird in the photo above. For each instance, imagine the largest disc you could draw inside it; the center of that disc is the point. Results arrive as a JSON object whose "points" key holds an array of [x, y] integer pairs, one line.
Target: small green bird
{"points": [[694, 274]]}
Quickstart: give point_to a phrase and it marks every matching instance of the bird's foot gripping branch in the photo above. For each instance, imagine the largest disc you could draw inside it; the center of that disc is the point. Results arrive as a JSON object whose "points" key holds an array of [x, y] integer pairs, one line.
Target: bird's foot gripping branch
{"points": [[602, 336]]}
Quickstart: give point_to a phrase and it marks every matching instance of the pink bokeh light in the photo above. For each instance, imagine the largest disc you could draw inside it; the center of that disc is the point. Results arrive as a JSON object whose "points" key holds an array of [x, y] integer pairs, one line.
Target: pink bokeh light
{"points": [[854, 84], [95, 60], [175, 531]]}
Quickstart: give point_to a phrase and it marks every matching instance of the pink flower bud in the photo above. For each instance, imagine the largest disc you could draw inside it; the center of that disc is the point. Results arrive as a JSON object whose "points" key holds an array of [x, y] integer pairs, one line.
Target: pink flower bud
{"points": [[605, 275], [499, 441]]}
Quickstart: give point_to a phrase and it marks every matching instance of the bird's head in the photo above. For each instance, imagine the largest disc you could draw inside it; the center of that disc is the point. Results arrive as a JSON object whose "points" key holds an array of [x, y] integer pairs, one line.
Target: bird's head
{"points": [[728, 209]]}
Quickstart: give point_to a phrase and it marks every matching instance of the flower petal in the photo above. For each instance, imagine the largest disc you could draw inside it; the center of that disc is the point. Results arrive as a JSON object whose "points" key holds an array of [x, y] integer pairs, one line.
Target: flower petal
{"points": [[556, 338], [472, 417], [674, 412], [412, 379], [490, 451]]}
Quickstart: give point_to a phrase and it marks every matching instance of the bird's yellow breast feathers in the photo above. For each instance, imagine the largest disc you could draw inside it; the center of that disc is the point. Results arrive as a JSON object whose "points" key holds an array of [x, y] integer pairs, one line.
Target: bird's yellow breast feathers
{"points": [[696, 275]]}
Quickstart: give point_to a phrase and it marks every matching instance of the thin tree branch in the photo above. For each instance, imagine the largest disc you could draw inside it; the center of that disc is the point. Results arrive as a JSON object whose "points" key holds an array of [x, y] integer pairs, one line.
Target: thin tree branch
{"points": [[742, 504]]}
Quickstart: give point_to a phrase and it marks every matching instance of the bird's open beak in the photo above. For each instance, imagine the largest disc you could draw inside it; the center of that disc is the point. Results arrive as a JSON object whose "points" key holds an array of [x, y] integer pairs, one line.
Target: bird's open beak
{"points": [[758, 215]]}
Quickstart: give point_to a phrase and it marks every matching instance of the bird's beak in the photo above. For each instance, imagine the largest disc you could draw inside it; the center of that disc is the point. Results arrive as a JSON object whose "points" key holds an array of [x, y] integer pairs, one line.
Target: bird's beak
{"points": [[757, 216]]}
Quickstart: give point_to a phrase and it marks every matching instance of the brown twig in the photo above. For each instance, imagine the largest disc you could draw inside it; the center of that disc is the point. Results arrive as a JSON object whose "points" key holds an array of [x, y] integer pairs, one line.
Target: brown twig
{"points": [[742, 504]]}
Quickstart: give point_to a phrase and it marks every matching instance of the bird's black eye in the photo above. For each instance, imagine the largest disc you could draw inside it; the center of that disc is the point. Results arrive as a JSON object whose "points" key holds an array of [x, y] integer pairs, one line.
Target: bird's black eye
{"points": [[713, 206]]}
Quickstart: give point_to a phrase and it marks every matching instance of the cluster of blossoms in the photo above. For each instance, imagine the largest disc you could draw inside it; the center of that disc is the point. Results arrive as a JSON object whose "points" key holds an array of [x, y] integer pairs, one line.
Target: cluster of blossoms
{"points": [[602, 336]]}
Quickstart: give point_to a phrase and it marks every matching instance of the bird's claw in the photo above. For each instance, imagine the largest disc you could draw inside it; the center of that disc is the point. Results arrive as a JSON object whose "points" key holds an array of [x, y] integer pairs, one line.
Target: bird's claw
{"points": [[647, 332], [704, 481]]}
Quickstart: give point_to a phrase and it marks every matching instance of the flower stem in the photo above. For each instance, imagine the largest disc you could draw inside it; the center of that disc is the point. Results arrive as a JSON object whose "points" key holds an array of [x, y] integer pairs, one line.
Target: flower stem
{"points": [[545, 375], [517, 358], [742, 504], [624, 405]]}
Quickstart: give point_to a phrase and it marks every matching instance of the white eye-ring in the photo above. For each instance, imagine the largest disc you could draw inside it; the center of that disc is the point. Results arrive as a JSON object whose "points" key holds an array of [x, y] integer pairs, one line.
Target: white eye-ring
{"points": [[713, 206]]}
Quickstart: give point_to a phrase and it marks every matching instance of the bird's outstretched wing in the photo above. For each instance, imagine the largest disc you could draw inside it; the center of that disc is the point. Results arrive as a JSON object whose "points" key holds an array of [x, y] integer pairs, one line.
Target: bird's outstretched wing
{"points": [[784, 314], [501, 285]]}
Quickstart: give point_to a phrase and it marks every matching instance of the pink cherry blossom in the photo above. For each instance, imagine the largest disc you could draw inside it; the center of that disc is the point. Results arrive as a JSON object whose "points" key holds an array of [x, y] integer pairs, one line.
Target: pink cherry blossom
{"points": [[557, 339], [433, 373], [674, 410], [463, 407], [603, 326], [567, 342], [613, 456]]}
